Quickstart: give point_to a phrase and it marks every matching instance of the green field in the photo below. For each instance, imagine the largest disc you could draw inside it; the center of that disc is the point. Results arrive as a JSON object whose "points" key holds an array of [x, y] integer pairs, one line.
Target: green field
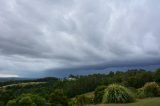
{"points": [[142, 102]]}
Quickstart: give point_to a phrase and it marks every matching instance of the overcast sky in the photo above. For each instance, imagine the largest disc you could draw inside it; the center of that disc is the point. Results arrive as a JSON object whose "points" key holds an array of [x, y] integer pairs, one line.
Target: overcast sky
{"points": [[37, 35]]}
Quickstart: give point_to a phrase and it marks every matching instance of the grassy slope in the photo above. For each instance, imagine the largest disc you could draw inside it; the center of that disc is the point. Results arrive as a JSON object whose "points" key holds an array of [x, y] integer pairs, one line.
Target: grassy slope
{"points": [[23, 84], [142, 102]]}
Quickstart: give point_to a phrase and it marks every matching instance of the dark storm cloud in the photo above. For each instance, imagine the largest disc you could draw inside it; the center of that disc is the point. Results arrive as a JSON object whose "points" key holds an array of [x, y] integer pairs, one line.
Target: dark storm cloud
{"points": [[59, 34]]}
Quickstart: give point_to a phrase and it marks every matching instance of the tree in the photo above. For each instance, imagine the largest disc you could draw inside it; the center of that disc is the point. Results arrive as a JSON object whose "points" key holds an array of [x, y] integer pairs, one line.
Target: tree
{"points": [[83, 100], [157, 76]]}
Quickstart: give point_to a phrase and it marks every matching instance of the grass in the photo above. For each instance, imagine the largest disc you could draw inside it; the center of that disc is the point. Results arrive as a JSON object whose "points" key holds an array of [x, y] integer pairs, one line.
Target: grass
{"points": [[23, 84], [140, 102]]}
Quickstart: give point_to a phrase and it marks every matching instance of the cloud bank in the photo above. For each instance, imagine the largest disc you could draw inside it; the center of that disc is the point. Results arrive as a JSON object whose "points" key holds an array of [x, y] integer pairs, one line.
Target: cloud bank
{"points": [[56, 34]]}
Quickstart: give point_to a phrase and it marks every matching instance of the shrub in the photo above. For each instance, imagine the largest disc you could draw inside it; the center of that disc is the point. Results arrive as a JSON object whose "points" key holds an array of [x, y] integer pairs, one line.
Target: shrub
{"points": [[82, 100], [98, 94], [117, 94], [11, 103], [25, 101], [1, 103], [140, 93], [151, 89], [39, 101], [57, 98], [72, 102], [48, 104]]}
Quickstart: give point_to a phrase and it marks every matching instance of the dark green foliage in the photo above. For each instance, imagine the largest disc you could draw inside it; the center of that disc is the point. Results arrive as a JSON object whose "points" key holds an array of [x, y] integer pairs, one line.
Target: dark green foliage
{"points": [[151, 89], [80, 100], [28, 100], [137, 78], [83, 84], [57, 98], [72, 102], [48, 104], [141, 93], [157, 76], [83, 100], [2, 103], [12, 103], [98, 94], [117, 94], [25, 101]]}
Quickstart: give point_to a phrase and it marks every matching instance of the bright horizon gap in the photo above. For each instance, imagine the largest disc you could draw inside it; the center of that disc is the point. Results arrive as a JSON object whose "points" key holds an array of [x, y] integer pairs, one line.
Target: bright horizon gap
{"points": [[8, 75]]}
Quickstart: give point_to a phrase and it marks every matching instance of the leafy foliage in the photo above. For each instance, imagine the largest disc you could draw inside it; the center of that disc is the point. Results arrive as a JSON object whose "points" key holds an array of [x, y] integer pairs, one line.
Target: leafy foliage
{"points": [[27, 100], [140, 93], [12, 103], [151, 89], [117, 94], [58, 98], [82, 100], [99, 92]]}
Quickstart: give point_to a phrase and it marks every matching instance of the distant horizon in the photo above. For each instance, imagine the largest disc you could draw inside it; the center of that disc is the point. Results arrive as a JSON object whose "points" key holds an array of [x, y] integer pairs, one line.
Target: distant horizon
{"points": [[63, 75]]}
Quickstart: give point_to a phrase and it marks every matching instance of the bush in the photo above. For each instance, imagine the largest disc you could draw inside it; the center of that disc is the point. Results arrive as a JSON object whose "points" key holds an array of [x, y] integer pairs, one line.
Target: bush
{"points": [[1, 103], [39, 101], [140, 93], [11, 103], [27, 100], [117, 94], [72, 102], [151, 89], [82, 100], [57, 98], [48, 104], [98, 94]]}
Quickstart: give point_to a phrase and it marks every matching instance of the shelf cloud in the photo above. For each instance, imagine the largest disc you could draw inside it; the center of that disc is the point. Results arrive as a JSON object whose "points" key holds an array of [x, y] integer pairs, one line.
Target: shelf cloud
{"points": [[37, 35]]}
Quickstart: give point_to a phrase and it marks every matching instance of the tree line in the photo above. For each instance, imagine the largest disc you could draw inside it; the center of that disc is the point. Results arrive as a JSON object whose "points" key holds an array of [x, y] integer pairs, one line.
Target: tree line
{"points": [[66, 89]]}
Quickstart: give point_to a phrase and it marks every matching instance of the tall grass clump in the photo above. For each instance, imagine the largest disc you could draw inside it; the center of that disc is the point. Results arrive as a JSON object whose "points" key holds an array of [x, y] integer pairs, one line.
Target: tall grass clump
{"points": [[98, 94], [117, 94], [80, 100], [150, 89], [140, 93]]}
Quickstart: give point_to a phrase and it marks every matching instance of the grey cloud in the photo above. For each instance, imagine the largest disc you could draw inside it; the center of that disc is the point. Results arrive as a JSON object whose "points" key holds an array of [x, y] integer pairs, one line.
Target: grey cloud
{"points": [[39, 35]]}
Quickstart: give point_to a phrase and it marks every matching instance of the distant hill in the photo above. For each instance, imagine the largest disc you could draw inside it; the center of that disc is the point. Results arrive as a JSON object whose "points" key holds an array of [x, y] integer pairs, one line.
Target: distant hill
{"points": [[12, 79], [61, 73]]}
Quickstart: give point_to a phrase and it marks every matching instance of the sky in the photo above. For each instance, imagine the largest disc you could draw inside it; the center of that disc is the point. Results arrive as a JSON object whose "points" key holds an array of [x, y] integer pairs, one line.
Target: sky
{"points": [[38, 36]]}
